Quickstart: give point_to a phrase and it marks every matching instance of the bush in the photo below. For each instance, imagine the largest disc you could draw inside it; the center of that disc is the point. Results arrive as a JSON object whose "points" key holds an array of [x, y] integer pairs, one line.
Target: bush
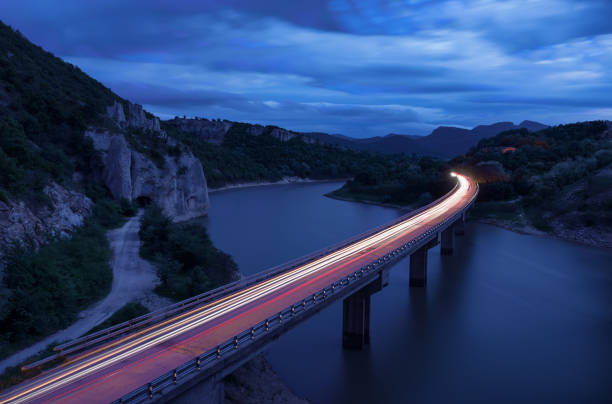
{"points": [[44, 291], [186, 260], [127, 207], [108, 213], [127, 312]]}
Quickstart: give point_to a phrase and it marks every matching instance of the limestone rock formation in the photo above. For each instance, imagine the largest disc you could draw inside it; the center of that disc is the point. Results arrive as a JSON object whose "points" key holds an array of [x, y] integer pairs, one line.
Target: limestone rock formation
{"points": [[136, 117], [178, 186], [67, 211], [209, 131], [214, 131]]}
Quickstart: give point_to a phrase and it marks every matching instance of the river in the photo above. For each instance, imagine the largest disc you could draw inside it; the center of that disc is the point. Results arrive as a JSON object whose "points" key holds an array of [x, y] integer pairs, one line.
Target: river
{"points": [[507, 318]]}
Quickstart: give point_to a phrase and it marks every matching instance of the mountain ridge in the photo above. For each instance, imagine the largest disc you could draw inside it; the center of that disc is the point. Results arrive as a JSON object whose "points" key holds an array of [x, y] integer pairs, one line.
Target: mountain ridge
{"points": [[443, 142]]}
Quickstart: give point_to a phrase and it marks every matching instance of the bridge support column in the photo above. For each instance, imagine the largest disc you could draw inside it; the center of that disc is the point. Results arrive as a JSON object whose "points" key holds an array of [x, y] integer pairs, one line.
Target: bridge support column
{"points": [[356, 313], [356, 321], [448, 241], [459, 228], [460, 225], [418, 267]]}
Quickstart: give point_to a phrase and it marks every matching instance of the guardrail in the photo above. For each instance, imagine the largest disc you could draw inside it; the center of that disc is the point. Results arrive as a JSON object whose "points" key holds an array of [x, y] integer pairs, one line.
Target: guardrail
{"points": [[289, 314], [95, 339]]}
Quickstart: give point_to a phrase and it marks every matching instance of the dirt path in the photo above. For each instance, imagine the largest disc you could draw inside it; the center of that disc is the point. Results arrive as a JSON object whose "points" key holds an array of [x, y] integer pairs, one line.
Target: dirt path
{"points": [[133, 279]]}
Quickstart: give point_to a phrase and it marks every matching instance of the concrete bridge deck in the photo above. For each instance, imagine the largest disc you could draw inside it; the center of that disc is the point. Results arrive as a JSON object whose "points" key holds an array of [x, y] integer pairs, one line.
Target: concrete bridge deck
{"points": [[202, 340]]}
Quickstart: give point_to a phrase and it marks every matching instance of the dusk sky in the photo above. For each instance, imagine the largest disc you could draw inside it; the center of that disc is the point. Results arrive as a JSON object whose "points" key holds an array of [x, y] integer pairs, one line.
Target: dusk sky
{"points": [[356, 67]]}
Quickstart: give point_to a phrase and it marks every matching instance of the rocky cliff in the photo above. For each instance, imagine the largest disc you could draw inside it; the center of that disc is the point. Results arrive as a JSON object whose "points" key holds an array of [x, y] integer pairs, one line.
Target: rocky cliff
{"points": [[214, 131], [136, 117], [66, 210], [178, 185]]}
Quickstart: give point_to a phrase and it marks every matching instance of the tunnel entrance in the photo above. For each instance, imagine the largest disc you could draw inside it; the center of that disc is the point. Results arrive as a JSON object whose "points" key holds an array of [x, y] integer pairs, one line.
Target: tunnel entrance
{"points": [[143, 201]]}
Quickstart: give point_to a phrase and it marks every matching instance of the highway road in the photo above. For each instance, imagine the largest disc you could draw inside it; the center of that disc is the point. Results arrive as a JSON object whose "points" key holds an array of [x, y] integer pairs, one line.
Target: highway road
{"points": [[119, 366]]}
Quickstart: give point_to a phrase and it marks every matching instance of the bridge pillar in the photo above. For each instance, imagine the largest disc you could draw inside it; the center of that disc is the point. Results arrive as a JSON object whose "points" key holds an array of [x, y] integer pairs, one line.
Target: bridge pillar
{"points": [[356, 321], [356, 313], [418, 267], [459, 228], [448, 241]]}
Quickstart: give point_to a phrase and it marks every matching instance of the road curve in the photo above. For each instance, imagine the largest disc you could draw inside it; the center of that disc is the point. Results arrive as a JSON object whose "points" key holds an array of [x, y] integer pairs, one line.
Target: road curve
{"points": [[122, 365]]}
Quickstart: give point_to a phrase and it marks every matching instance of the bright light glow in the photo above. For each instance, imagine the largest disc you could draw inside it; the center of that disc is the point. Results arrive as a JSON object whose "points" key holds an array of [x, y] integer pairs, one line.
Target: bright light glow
{"points": [[157, 334]]}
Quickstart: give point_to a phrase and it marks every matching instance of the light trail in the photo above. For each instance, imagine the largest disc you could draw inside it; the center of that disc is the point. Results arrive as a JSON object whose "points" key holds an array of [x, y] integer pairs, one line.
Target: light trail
{"points": [[142, 340]]}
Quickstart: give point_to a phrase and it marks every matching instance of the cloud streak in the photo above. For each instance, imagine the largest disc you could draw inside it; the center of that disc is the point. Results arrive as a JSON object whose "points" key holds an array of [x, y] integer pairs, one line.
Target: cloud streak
{"points": [[385, 66]]}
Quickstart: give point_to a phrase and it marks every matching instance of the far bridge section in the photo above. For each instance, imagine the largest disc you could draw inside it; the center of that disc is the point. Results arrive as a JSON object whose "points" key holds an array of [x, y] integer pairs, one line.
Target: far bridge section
{"points": [[182, 353]]}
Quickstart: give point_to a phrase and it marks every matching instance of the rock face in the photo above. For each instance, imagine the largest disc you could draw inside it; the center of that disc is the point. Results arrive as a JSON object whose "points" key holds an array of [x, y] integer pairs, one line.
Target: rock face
{"points": [[257, 383], [214, 131], [67, 211], [179, 186], [210, 131], [136, 117]]}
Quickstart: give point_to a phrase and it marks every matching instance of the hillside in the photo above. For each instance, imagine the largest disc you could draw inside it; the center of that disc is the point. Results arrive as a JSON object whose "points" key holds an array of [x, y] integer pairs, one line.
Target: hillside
{"points": [[558, 180], [74, 160], [254, 153], [443, 142], [555, 181]]}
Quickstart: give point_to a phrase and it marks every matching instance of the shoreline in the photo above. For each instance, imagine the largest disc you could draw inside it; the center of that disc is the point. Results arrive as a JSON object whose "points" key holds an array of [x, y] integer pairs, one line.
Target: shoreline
{"points": [[525, 229], [368, 202], [284, 181], [530, 231]]}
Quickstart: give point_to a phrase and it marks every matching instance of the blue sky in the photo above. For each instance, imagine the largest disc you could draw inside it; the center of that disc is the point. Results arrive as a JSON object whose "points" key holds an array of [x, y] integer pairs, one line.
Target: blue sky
{"points": [[356, 67]]}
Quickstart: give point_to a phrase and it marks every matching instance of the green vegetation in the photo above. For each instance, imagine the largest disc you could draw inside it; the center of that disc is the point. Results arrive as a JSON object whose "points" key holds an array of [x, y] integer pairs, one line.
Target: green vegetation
{"points": [[44, 291], [538, 170], [186, 260], [127, 312], [243, 157], [45, 107], [152, 146], [553, 173], [406, 181], [13, 375]]}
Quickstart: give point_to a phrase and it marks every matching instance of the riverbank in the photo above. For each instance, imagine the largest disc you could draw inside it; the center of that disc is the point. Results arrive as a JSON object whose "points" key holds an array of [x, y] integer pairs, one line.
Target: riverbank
{"points": [[593, 237], [284, 181], [369, 202], [516, 221]]}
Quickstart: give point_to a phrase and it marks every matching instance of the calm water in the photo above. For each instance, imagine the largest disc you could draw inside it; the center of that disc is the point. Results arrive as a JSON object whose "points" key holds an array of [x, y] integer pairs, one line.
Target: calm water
{"points": [[508, 318]]}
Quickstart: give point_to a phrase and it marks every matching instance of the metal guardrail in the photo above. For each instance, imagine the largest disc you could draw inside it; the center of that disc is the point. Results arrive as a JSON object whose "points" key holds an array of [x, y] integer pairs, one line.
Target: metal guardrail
{"points": [[289, 314], [89, 341]]}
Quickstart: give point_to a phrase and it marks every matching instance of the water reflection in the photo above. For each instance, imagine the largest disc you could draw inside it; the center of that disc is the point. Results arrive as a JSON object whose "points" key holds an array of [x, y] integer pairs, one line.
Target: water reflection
{"points": [[507, 318]]}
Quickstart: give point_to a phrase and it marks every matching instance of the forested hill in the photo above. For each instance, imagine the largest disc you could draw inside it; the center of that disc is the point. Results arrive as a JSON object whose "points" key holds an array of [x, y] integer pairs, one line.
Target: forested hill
{"points": [[45, 107], [558, 179], [444, 142], [242, 157]]}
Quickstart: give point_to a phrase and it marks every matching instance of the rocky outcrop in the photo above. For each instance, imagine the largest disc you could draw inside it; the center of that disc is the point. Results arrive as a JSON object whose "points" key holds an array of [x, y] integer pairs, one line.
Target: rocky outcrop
{"points": [[178, 186], [214, 131], [257, 383], [66, 211], [210, 131], [136, 117]]}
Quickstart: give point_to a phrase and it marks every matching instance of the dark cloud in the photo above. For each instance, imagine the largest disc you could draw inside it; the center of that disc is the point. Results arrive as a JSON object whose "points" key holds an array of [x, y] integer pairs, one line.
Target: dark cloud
{"points": [[360, 68]]}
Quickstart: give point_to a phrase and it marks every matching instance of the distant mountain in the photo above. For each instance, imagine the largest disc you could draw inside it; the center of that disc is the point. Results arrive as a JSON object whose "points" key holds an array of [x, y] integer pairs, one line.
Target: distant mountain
{"points": [[443, 142]]}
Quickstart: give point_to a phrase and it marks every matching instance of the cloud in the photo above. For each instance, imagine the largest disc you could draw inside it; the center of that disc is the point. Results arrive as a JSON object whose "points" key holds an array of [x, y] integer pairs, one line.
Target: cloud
{"points": [[398, 66]]}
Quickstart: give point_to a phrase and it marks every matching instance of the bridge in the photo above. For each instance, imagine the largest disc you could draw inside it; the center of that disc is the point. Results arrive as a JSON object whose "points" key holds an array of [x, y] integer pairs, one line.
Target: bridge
{"points": [[181, 353]]}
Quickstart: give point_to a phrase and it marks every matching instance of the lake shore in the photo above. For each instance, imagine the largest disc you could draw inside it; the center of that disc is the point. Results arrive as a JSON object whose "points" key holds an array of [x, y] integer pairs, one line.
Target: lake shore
{"points": [[407, 208], [590, 236], [284, 181]]}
